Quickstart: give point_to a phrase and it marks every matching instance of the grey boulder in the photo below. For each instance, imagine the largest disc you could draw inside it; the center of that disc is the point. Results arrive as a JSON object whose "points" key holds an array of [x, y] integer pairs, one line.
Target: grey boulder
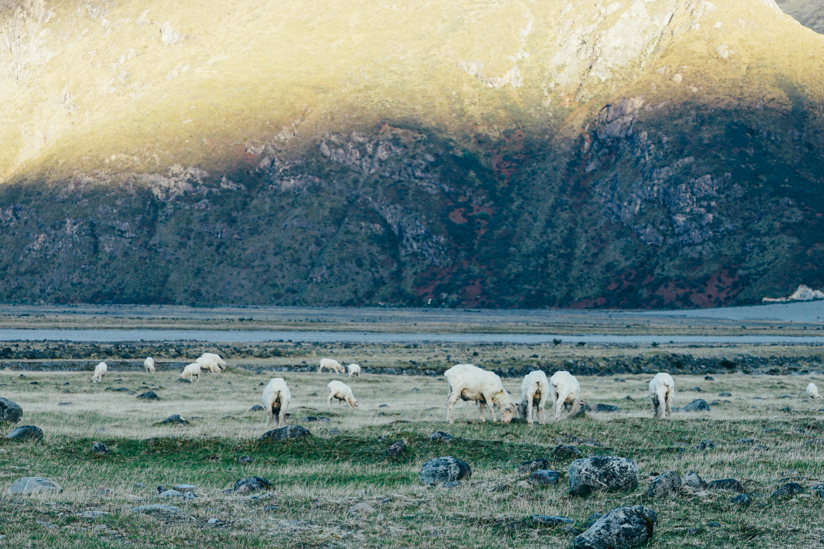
{"points": [[692, 480], [664, 485], [440, 436], [26, 432], [10, 412], [251, 484], [697, 405], [396, 450], [444, 469], [32, 485], [605, 408], [290, 431], [788, 490], [597, 473], [173, 419], [544, 477], [621, 528], [532, 466], [100, 449]]}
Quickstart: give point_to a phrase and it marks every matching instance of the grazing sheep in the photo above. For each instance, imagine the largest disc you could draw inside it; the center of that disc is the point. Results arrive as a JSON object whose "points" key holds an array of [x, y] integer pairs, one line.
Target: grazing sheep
{"points": [[565, 391], [812, 391], [468, 382], [534, 392], [149, 365], [190, 371], [354, 370], [342, 392], [207, 362], [276, 399], [330, 364], [99, 371], [215, 358], [661, 392]]}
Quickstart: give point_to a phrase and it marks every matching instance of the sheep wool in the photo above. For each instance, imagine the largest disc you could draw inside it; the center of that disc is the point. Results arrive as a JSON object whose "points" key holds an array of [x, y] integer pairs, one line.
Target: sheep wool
{"points": [[661, 393], [566, 392], [342, 393], [534, 392], [99, 371], [468, 382], [276, 399]]}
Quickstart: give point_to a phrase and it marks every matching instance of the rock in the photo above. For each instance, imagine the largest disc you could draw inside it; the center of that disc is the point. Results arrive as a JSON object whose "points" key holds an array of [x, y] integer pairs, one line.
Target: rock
{"points": [[745, 441], [26, 432], [440, 436], [664, 485], [742, 500], [251, 484], [170, 494], [725, 394], [605, 408], [290, 431], [174, 419], [692, 480], [32, 485], [149, 395], [619, 529], [714, 524], [92, 514], [551, 520], [396, 450], [708, 378], [531, 466], [245, 459], [156, 508], [181, 380], [602, 473], [706, 444], [185, 488], [592, 518], [788, 490], [362, 510], [697, 405], [213, 522], [566, 452], [100, 449], [726, 484], [10, 412], [257, 408], [544, 477], [444, 469], [314, 418], [580, 414], [696, 389], [451, 484]]}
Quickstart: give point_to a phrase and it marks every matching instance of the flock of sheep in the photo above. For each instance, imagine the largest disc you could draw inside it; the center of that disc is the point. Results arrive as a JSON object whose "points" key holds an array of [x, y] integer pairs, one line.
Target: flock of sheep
{"points": [[466, 382]]}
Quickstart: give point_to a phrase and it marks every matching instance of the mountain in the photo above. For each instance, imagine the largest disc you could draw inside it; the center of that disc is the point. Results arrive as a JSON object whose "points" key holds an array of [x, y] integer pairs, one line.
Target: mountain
{"points": [[809, 13], [461, 153]]}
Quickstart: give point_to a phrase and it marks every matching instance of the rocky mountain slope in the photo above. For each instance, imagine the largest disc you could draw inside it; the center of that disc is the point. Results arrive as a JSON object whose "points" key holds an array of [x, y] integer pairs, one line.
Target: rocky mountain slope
{"points": [[665, 153], [809, 13]]}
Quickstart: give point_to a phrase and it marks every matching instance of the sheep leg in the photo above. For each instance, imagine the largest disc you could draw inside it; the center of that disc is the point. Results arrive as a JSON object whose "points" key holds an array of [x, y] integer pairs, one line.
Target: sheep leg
{"points": [[491, 404], [282, 418], [559, 405], [481, 406], [450, 404], [669, 403], [529, 412], [541, 405], [330, 401]]}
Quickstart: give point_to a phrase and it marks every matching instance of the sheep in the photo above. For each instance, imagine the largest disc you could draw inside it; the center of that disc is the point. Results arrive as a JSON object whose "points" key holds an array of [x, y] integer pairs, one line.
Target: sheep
{"points": [[149, 365], [661, 392], [342, 392], [208, 362], [99, 371], [276, 399], [190, 371], [330, 364], [534, 392], [468, 382], [565, 390], [812, 391], [354, 370], [214, 358]]}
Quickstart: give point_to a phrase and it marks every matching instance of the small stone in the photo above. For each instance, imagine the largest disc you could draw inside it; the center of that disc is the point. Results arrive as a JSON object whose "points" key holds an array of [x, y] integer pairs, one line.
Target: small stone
{"points": [[185, 488], [551, 520], [362, 510], [788, 490], [530, 466], [619, 529], [714, 524], [290, 431], [174, 420], [91, 514], [149, 395], [32, 485], [697, 405], [566, 452], [451, 484], [725, 394], [440, 436], [443, 469], [742, 500], [270, 507], [692, 480], [257, 408], [252, 484], [396, 450], [156, 508], [26, 432], [181, 380], [745, 441], [706, 444], [245, 459], [138, 485], [100, 449], [10, 412], [212, 522], [315, 418], [544, 477], [708, 378], [605, 408], [606, 473], [170, 494], [696, 389], [664, 485], [729, 484]]}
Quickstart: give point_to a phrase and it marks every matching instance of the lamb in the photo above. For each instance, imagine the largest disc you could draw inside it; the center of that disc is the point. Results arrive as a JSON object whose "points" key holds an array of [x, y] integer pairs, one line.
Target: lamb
{"points": [[342, 392], [468, 382], [276, 399], [661, 392], [534, 392], [354, 370], [149, 365], [207, 362], [565, 391], [812, 391], [330, 364], [190, 371], [99, 371]]}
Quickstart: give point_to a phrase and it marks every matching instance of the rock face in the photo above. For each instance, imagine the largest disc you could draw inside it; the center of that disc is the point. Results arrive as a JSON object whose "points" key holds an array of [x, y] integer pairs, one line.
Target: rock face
{"points": [[290, 431], [26, 432], [444, 469], [33, 485], [664, 485], [602, 474], [252, 484], [10, 412], [619, 529]]}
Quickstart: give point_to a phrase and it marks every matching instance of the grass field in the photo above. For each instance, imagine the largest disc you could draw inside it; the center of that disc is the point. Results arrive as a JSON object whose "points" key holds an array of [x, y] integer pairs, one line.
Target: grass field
{"points": [[318, 479]]}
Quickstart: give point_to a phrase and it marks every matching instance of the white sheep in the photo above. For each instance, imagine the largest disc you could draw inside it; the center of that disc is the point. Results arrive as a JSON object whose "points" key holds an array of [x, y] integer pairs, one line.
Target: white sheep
{"points": [[534, 392], [190, 371], [468, 382], [812, 391], [330, 364], [208, 362], [565, 391], [276, 399], [99, 371], [661, 393], [354, 370], [342, 392], [149, 365], [214, 358]]}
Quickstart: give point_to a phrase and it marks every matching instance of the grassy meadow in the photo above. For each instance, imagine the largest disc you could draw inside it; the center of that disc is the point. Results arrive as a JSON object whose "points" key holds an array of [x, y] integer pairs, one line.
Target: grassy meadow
{"points": [[318, 479]]}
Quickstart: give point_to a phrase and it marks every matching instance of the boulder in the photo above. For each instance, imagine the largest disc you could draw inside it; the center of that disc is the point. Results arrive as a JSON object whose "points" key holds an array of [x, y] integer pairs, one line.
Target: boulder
{"points": [[544, 477], [706, 444], [788, 490], [444, 469], [251, 484], [32, 485], [664, 485], [26, 432], [818, 489], [170, 494], [725, 394], [10, 412], [396, 450], [602, 474], [362, 510], [257, 408], [566, 452], [440, 436], [174, 419], [742, 500], [551, 520], [100, 449], [697, 405], [290, 431], [729, 484], [148, 395], [692, 480], [185, 488], [605, 408], [619, 529], [532, 466]]}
